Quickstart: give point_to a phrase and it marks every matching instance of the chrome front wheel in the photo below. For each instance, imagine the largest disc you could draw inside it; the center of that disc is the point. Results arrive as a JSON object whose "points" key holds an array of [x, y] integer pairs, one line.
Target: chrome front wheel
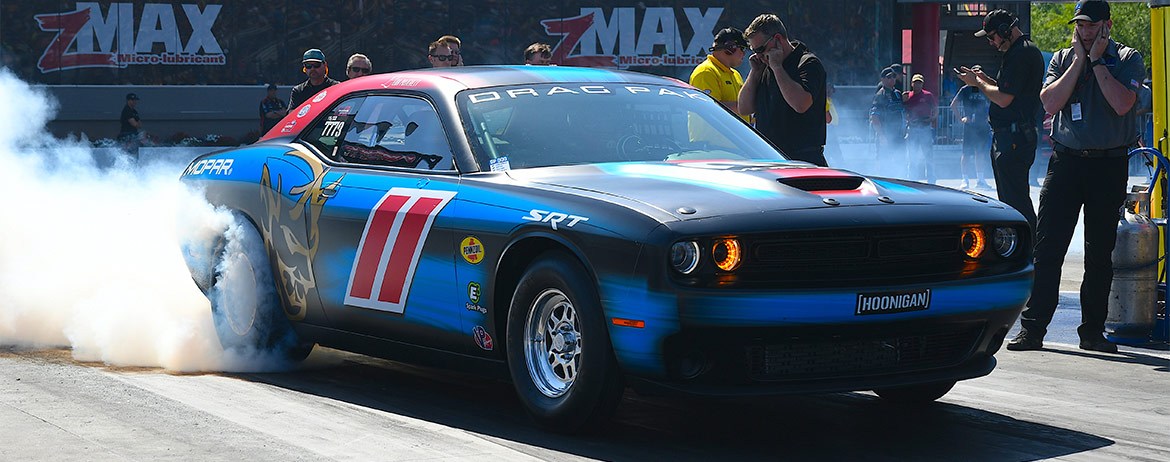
{"points": [[553, 343]]}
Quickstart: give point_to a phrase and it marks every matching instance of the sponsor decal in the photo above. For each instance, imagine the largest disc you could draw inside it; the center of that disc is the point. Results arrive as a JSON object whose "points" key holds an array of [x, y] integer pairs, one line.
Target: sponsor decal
{"points": [[87, 38], [499, 164], [615, 42], [344, 110], [893, 302], [401, 82], [482, 338], [515, 93], [320, 96], [289, 126], [553, 218], [472, 250], [210, 167], [304, 110], [390, 247], [473, 293]]}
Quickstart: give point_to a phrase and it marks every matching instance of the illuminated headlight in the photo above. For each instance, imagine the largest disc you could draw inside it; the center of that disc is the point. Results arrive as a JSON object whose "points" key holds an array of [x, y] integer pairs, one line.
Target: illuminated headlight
{"points": [[726, 253], [684, 256], [973, 242], [1005, 241]]}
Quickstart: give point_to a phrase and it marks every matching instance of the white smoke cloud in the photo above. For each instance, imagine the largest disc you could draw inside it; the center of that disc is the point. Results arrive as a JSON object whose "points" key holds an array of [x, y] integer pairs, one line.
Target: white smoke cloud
{"points": [[90, 257]]}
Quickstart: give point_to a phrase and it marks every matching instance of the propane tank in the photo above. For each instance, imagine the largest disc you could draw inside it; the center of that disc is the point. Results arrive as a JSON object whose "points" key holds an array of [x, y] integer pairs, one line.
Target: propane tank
{"points": [[1133, 300]]}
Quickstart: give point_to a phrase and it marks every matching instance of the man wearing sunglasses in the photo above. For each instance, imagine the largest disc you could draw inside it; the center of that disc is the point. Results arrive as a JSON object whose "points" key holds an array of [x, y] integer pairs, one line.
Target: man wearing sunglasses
{"points": [[455, 45], [785, 89], [357, 66], [717, 75], [314, 65], [440, 55]]}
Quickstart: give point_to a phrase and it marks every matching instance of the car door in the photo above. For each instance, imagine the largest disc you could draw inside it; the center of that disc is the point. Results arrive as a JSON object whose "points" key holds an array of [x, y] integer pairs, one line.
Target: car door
{"points": [[386, 266]]}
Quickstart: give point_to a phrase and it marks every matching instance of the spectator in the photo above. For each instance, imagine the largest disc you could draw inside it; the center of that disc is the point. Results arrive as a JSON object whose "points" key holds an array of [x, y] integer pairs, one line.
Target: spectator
{"points": [[357, 66], [440, 55], [785, 89], [899, 77], [272, 109], [833, 124], [1090, 89], [318, 71], [456, 47], [716, 76], [538, 54], [1015, 99], [921, 109], [970, 109], [889, 126], [130, 125]]}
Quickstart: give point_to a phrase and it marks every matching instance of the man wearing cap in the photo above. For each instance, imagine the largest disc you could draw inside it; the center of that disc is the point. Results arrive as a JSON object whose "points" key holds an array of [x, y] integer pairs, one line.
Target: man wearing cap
{"points": [[970, 109], [899, 76], [717, 75], [921, 114], [785, 89], [1090, 90], [130, 124], [1015, 101], [272, 109], [318, 71], [889, 126], [358, 65]]}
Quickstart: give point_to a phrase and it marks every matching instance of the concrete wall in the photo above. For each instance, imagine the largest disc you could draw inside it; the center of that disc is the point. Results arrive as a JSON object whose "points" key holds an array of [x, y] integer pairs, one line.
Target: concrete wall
{"points": [[196, 110]]}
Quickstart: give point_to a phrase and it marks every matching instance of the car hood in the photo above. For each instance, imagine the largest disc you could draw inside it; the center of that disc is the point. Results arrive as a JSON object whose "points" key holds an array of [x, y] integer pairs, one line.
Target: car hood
{"points": [[702, 189]]}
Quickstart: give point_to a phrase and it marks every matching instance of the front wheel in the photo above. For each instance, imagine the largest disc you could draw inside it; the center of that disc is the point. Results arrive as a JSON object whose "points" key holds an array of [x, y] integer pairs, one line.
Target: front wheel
{"points": [[915, 394], [558, 346], [244, 303]]}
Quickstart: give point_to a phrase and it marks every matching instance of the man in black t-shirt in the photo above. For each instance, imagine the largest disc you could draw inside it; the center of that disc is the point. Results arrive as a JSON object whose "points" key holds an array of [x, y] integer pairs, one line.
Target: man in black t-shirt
{"points": [[785, 89], [1015, 98], [318, 71], [130, 124]]}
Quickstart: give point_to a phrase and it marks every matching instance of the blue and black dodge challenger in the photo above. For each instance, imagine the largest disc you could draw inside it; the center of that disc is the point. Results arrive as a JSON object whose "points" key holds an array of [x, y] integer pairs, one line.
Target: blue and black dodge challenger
{"points": [[580, 231]]}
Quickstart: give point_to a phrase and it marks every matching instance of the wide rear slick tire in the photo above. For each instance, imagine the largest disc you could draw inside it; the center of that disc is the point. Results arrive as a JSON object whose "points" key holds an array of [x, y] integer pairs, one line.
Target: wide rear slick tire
{"points": [[244, 303], [558, 347]]}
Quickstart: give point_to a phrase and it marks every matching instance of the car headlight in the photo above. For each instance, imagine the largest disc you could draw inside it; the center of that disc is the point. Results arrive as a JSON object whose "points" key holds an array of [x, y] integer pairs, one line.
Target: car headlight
{"points": [[1005, 241], [684, 256], [726, 253], [973, 241]]}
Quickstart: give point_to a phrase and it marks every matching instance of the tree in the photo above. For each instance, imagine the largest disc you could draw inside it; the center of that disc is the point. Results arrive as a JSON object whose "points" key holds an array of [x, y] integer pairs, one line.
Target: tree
{"points": [[1131, 26]]}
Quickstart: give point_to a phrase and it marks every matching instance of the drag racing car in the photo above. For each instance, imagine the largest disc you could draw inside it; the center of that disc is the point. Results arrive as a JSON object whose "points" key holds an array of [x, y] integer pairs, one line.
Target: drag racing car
{"points": [[579, 231]]}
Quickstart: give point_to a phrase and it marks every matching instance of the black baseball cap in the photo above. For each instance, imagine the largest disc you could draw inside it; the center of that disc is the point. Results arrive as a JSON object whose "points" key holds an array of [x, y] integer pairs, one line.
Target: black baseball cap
{"points": [[728, 38], [272, 86], [888, 72], [994, 20], [1091, 11], [130, 96]]}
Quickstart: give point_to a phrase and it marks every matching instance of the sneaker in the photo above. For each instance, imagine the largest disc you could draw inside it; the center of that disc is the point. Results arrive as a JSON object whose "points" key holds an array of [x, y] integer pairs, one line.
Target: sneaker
{"points": [[1023, 342], [966, 185], [1098, 344], [982, 185]]}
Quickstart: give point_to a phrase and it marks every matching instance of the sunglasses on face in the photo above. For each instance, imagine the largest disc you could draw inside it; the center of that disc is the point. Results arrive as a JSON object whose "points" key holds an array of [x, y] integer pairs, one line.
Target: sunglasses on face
{"points": [[363, 70], [444, 57], [312, 65], [764, 47]]}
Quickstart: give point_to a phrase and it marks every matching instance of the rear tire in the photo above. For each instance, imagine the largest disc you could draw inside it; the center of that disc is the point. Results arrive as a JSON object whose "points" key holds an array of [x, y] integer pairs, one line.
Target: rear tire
{"points": [[244, 302], [915, 394], [558, 347]]}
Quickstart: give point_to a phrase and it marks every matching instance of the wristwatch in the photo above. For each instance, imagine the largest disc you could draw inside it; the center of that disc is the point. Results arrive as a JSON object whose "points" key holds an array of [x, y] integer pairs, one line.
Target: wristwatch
{"points": [[1098, 61]]}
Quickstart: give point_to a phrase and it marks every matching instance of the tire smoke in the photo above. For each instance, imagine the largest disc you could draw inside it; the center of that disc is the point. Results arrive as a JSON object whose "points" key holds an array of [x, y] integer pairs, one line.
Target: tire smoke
{"points": [[90, 257]]}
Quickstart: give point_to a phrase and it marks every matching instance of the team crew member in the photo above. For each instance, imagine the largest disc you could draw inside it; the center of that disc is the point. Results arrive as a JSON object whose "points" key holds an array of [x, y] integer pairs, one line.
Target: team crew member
{"points": [[885, 116], [1015, 100], [130, 123], [1091, 88], [785, 89], [318, 71], [970, 109], [272, 109], [538, 54], [921, 114], [357, 66], [440, 55], [717, 75]]}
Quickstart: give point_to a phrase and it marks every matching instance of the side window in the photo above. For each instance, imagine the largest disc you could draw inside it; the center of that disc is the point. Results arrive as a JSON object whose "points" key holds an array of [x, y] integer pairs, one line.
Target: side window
{"points": [[326, 133], [396, 131]]}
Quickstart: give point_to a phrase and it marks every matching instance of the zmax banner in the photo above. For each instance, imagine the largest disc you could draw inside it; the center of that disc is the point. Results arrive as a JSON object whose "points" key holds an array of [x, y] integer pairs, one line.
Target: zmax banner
{"points": [[197, 42]]}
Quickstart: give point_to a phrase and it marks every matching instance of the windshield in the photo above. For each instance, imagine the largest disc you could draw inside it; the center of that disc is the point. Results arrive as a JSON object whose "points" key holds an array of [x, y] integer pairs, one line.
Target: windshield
{"points": [[564, 124]]}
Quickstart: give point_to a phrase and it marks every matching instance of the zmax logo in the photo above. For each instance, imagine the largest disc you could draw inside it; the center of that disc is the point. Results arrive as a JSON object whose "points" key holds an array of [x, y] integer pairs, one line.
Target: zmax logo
{"points": [[593, 39], [552, 218], [391, 245]]}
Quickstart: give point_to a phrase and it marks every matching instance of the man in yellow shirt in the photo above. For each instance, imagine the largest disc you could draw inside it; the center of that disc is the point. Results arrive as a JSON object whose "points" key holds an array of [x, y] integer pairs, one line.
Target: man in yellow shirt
{"points": [[717, 75]]}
